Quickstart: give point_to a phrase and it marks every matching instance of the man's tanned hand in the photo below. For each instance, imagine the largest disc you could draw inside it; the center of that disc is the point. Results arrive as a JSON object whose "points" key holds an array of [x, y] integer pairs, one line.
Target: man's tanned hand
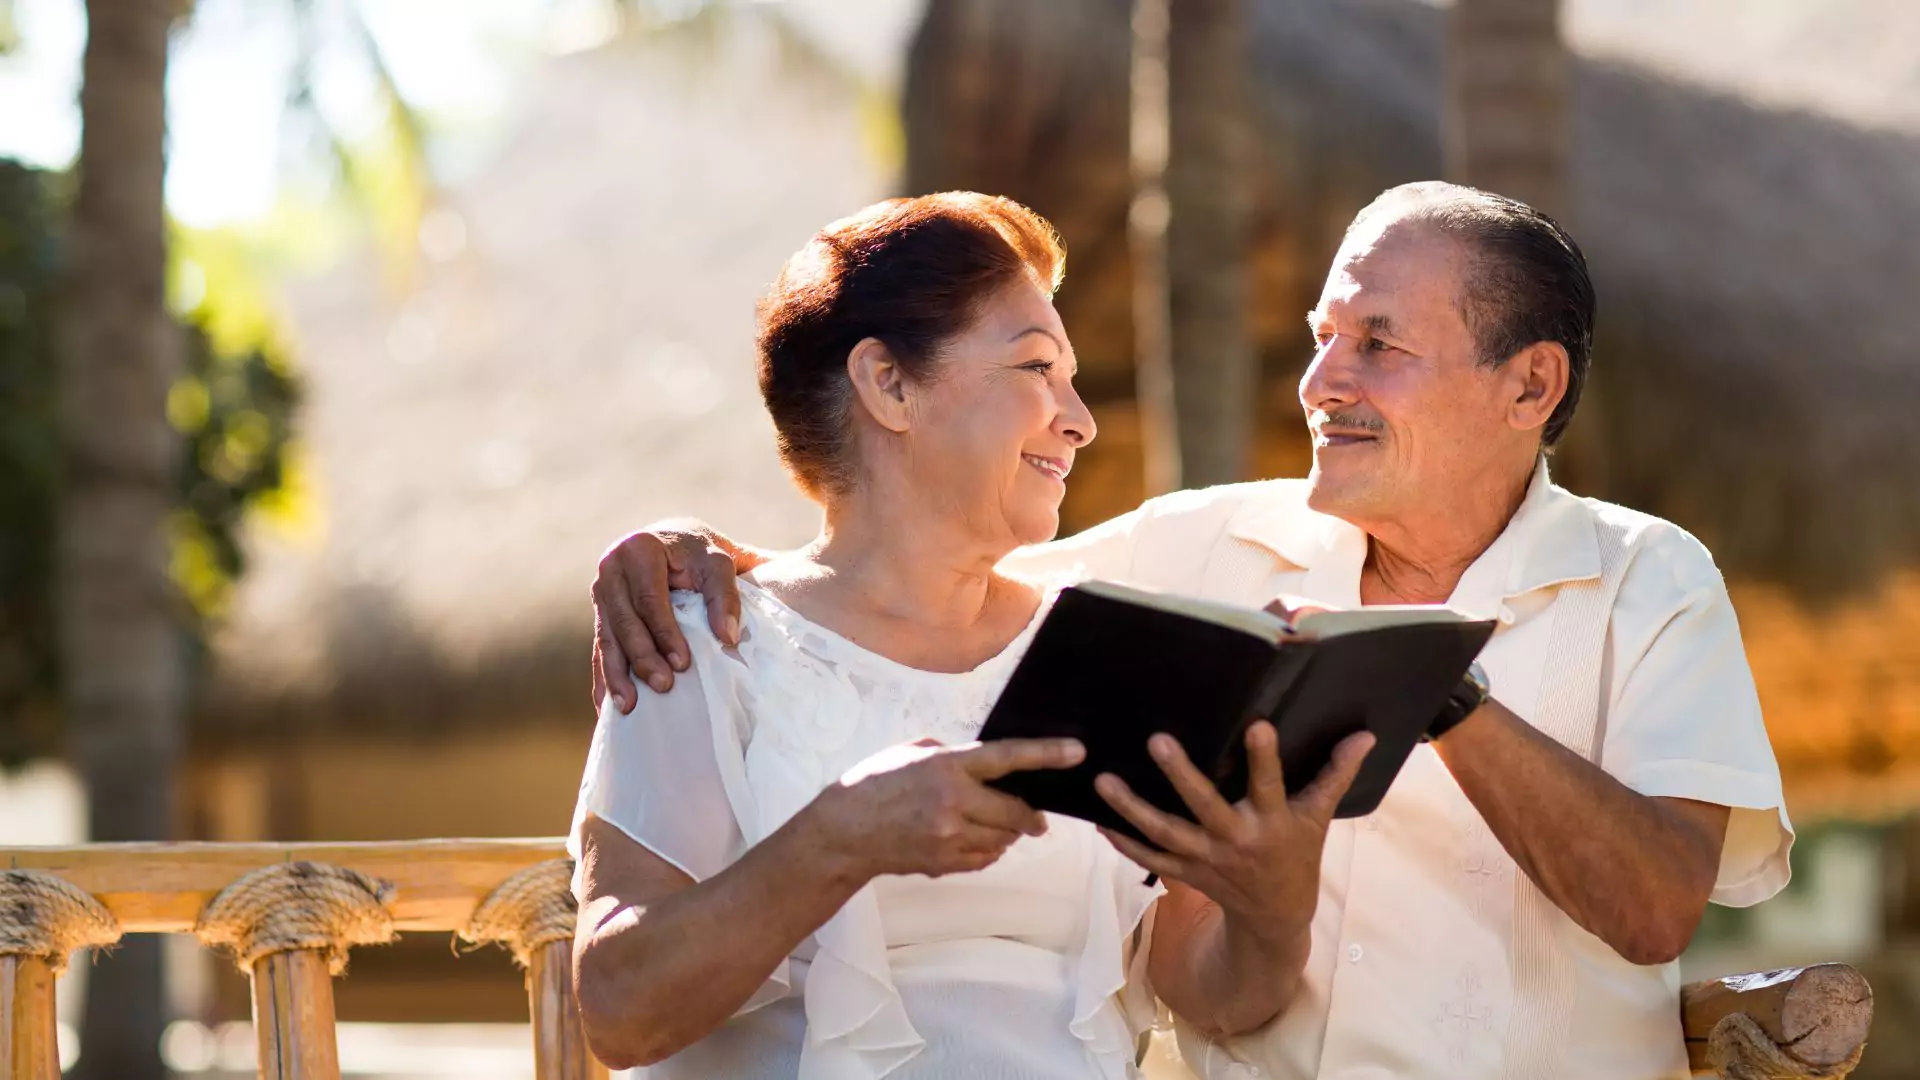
{"points": [[635, 632]]}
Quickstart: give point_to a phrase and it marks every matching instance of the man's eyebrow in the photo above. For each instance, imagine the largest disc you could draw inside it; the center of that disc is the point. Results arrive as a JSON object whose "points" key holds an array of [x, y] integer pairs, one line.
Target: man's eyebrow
{"points": [[1057, 343], [1379, 324]]}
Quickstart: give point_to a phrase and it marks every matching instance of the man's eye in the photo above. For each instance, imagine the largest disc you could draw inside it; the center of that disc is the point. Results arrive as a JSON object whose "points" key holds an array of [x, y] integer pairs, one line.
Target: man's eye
{"points": [[1376, 345], [1042, 366], [1322, 339]]}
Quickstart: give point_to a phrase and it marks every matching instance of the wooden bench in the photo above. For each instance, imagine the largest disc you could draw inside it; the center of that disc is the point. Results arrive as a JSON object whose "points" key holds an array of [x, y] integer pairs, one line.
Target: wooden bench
{"points": [[1799, 1022]]}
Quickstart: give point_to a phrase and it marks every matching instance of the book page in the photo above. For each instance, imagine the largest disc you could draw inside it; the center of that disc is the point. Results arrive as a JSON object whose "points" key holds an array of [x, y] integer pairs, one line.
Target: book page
{"points": [[1326, 624], [1261, 624]]}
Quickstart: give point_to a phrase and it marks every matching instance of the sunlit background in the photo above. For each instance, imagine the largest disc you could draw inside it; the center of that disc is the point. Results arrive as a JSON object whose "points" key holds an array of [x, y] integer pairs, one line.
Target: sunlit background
{"points": [[466, 288]]}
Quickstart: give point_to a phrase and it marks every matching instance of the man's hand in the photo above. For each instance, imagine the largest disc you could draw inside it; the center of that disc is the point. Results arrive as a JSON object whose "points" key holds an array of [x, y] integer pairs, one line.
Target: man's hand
{"points": [[1259, 858], [633, 623]]}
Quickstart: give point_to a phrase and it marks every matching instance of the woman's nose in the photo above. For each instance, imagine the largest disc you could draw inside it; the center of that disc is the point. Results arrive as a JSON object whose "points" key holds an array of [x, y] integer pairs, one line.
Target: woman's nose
{"points": [[1075, 422]]}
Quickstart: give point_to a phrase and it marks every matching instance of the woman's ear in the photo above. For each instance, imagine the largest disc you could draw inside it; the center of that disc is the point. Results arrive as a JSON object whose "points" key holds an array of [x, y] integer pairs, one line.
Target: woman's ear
{"points": [[1538, 377], [881, 385]]}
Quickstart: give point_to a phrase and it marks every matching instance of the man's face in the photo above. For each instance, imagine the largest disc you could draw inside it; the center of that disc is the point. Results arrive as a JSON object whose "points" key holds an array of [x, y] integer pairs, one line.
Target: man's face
{"points": [[1402, 415]]}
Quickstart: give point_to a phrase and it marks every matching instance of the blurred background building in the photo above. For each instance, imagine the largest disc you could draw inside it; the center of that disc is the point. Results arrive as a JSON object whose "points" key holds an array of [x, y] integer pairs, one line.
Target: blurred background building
{"points": [[464, 292]]}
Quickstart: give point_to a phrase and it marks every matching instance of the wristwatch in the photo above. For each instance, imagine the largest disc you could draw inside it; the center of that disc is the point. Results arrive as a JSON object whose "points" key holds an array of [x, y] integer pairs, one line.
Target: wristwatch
{"points": [[1468, 696]]}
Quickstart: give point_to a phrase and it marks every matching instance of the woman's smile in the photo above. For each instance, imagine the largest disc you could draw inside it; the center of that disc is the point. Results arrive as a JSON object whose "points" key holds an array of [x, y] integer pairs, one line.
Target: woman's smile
{"points": [[1056, 468]]}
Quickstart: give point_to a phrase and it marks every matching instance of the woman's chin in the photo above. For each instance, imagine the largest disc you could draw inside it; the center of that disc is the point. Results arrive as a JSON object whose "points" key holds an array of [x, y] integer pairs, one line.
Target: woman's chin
{"points": [[1037, 525]]}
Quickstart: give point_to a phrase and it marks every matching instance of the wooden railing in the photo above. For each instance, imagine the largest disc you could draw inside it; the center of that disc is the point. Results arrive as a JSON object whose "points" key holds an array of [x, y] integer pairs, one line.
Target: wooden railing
{"points": [[289, 912]]}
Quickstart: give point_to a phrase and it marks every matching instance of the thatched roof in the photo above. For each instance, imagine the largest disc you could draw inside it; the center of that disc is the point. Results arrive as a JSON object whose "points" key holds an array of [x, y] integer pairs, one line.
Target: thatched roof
{"points": [[1750, 216], [1756, 263], [582, 367]]}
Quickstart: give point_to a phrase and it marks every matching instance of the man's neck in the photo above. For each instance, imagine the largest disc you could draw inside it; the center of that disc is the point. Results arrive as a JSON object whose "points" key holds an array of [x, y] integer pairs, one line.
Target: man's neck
{"points": [[1420, 557]]}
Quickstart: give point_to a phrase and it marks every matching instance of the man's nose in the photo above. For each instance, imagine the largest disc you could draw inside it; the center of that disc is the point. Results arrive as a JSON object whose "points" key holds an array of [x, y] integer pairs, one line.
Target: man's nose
{"points": [[1330, 380]]}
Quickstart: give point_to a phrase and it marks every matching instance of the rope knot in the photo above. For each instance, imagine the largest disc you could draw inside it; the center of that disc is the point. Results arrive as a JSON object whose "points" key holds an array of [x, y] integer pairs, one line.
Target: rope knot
{"points": [[46, 915], [1739, 1050], [298, 905], [528, 910]]}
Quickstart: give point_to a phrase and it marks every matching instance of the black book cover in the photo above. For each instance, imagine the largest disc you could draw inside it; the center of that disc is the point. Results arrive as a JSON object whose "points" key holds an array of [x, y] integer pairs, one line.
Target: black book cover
{"points": [[1110, 669]]}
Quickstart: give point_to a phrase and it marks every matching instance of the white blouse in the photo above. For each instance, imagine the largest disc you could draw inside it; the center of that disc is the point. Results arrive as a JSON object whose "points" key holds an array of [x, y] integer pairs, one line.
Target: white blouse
{"points": [[1023, 971]]}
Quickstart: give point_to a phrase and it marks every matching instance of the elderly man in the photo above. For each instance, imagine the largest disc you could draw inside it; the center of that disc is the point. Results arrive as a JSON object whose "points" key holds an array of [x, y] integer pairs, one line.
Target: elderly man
{"points": [[1515, 906]]}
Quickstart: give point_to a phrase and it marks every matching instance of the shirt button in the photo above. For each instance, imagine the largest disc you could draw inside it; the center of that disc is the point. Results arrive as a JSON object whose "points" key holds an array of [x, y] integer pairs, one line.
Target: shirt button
{"points": [[1354, 953]]}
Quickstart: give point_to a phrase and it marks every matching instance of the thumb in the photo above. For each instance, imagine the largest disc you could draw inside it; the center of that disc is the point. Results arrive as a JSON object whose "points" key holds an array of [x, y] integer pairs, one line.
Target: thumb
{"points": [[1322, 797]]}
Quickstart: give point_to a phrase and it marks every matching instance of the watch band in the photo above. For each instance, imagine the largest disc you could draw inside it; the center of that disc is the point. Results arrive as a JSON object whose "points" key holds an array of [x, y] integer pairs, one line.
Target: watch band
{"points": [[1472, 693]]}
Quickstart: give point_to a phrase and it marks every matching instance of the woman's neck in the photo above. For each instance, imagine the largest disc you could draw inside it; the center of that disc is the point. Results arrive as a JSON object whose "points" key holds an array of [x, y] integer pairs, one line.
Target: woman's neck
{"points": [[886, 557]]}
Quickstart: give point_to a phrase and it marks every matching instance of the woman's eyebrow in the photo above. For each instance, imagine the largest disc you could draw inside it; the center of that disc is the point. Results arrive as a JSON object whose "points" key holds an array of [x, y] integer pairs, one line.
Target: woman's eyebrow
{"points": [[1057, 343]]}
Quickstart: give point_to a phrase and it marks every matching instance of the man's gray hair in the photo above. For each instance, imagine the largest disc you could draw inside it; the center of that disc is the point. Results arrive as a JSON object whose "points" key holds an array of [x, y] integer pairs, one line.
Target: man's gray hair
{"points": [[1529, 282]]}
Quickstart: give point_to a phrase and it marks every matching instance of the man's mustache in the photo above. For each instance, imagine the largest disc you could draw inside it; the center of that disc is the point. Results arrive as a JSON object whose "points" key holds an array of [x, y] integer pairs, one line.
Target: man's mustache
{"points": [[1341, 421]]}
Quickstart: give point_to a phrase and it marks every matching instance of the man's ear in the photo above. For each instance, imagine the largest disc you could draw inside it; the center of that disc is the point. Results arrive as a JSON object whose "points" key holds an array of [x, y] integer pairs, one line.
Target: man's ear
{"points": [[1537, 376], [881, 385]]}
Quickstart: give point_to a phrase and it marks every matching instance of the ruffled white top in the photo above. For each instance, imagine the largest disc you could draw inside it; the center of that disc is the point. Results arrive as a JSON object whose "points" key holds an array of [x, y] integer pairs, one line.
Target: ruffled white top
{"points": [[1026, 970]]}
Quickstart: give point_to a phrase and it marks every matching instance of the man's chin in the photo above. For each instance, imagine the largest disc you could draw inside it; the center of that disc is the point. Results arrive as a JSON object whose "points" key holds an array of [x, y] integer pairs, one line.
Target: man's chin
{"points": [[1329, 491]]}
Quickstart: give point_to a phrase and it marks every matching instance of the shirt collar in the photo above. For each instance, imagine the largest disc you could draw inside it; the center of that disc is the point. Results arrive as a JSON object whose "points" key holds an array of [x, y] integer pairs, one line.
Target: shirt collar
{"points": [[1548, 541]]}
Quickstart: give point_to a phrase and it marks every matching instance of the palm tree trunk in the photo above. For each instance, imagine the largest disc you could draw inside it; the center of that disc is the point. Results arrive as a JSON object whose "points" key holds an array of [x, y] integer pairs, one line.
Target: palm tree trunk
{"points": [[1149, 144], [1508, 90], [120, 643], [1209, 221]]}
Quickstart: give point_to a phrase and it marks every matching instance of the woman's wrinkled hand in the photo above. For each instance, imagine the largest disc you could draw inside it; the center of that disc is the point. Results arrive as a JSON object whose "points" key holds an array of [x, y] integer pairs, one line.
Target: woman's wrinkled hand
{"points": [[1259, 858], [925, 808]]}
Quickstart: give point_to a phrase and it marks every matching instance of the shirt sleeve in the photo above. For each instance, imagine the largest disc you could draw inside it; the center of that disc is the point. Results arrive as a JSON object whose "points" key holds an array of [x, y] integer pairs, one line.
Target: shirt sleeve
{"points": [[1685, 721], [654, 774]]}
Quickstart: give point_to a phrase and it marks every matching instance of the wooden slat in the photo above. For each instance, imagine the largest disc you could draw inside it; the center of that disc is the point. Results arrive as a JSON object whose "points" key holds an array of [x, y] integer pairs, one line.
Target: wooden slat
{"points": [[293, 1017], [28, 1047], [161, 888], [1819, 1015], [559, 1044]]}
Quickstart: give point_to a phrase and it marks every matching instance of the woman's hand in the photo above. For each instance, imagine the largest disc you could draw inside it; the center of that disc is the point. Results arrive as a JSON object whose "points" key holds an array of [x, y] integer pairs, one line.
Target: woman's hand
{"points": [[924, 808], [1259, 858]]}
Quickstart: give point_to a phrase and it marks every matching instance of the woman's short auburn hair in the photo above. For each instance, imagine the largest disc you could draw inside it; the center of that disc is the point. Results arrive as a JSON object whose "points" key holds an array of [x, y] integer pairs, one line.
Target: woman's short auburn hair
{"points": [[909, 273]]}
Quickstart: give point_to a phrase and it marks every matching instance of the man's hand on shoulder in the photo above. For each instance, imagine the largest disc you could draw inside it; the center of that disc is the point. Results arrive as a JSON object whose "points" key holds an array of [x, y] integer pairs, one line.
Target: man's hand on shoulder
{"points": [[634, 629]]}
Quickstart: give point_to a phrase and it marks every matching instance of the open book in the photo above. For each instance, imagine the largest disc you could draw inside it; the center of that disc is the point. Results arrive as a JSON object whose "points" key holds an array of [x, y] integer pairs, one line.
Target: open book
{"points": [[1111, 665]]}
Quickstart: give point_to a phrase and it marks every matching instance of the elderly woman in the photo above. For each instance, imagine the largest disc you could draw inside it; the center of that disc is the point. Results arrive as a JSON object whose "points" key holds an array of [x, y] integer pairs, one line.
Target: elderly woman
{"points": [[790, 863]]}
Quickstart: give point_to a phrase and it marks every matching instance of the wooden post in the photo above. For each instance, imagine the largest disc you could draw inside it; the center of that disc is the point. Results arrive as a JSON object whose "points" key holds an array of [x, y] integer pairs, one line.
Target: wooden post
{"points": [[559, 1044], [43, 919], [289, 926], [293, 1016], [532, 913], [28, 1047], [1816, 1018]]}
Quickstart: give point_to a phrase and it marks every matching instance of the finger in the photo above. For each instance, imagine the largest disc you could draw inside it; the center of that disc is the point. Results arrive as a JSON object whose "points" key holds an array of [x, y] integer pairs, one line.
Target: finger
{"points": [[1209, 807], [986, 838], [990, 761], [1266, 776], [1173, 835], [647, 600], [1322, 797], [599, 677], [718, 581], [1150, 859], [1002, 811]]}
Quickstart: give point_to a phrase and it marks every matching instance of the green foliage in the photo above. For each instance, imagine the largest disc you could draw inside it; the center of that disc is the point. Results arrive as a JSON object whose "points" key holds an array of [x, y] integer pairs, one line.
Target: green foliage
{"points": [[233, 406], [29, 462]]}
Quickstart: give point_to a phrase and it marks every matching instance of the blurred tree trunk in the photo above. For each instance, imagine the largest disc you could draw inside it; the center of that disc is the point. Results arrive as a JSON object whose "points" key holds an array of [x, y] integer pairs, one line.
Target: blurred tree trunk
{"points": [[119, 637], [1505, 125], [1208, 239]]}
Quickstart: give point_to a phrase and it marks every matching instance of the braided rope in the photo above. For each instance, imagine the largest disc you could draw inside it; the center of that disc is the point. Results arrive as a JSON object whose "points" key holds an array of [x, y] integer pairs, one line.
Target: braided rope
{"points": [[298, 905], [528, 910], [45, 915], [1738, 1050]]}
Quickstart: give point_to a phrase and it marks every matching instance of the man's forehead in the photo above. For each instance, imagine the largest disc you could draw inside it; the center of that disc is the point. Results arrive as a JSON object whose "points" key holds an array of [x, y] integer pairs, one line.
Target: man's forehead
{"points": [[1393, 264]]}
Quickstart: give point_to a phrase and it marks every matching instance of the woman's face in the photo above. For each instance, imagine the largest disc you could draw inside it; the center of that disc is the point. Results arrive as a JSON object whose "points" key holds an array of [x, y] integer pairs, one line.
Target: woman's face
{"points": [[993, 434]]}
